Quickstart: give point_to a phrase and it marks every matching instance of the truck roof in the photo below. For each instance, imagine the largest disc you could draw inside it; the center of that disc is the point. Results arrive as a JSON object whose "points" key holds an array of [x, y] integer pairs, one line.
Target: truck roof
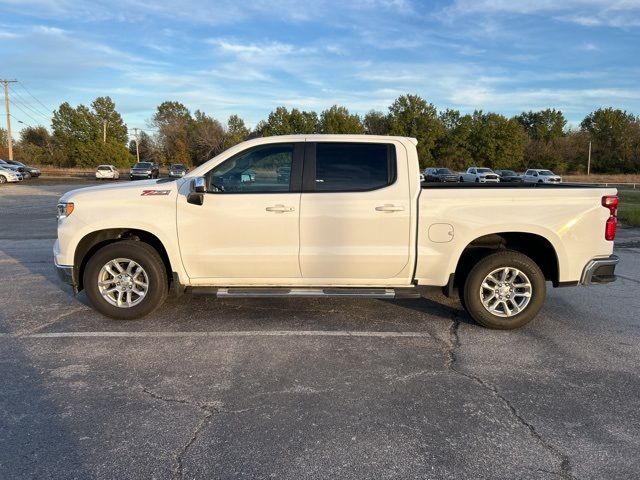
{"points": [[337, 137]]}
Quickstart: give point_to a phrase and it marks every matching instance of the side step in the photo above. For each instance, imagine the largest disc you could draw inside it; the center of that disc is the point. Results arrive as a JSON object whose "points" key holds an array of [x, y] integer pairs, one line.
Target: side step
{"points": [[268, 292]]}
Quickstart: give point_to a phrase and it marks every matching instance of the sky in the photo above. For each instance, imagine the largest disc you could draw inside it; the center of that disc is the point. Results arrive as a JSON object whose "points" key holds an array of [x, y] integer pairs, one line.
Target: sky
{"points": [[248, 57]]}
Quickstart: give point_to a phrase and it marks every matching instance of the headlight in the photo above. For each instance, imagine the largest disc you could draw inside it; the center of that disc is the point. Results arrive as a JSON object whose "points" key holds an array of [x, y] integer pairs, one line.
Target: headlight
{"points": [[65, 209]]}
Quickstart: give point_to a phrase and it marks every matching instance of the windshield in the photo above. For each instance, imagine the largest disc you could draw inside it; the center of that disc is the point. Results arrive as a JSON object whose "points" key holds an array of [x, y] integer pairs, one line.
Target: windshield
{"points": [[143, 165], [485, 170], [546, 173], [444, 171], [178, 167]]}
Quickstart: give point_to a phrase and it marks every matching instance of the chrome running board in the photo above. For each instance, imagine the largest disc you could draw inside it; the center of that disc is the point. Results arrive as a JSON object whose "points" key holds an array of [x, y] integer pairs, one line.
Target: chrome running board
{"points": [[271, 292]]}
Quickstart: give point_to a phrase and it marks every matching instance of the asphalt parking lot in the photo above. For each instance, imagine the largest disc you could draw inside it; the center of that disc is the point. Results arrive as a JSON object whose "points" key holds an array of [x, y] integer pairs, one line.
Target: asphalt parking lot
{"points": [[307, 388]]}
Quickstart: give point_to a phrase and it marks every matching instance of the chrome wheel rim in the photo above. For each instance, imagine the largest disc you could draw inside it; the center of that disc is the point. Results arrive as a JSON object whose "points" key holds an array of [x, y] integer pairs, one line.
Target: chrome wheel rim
{"points": [[505, 292], [123, 282]]}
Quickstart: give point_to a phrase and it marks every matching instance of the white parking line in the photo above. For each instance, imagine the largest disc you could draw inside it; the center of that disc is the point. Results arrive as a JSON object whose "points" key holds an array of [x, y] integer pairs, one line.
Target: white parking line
{"points": [[256, 333]]}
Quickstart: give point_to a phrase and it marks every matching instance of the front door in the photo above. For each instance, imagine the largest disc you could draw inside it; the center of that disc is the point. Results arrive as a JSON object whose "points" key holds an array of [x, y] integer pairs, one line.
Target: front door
{"points": [[248, 225], [355, 213]]}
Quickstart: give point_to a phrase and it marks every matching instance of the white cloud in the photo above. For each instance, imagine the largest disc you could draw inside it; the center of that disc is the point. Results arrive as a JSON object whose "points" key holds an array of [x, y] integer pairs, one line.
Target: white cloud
{"points": [[589, 13]]}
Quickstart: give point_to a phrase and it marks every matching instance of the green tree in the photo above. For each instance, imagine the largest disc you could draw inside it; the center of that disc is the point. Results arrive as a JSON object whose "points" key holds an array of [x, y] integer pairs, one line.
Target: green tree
{"points": [[78, 133], [615, 135], [278, 123], [173, 121], [105, 111], [453, 148], [338, 120], [236, 131], [496, 141], [545, 125], [412, 116], [303, 122], [376, 123]]}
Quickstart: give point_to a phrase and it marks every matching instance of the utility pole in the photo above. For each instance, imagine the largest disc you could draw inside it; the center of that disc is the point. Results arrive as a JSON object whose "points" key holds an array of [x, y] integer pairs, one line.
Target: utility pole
{"points": [[137, 149], [104, 132], [6, 107], [589, 160]]}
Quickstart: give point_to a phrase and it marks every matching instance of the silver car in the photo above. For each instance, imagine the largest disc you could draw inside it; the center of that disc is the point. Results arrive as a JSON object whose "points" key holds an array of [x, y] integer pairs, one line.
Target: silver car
{"points": [[8, 175]]}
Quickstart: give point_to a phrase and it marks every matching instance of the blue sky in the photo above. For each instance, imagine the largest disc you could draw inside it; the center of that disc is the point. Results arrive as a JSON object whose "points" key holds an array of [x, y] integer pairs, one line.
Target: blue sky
{"points": [[232, 56]]}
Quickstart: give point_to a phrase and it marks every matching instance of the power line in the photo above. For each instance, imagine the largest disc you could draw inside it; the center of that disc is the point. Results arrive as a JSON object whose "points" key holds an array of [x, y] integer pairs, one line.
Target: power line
{"points": [[20, 121], [47, 109], [24, 101], [21, 101], [26, 113]]}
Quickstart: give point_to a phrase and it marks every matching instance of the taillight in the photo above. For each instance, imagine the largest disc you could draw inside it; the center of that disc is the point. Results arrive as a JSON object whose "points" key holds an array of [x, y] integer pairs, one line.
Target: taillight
{"points": [[611, 202]]}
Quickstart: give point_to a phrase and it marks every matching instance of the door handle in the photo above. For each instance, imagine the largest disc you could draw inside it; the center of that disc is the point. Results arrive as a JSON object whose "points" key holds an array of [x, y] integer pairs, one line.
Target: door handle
{"points": [[279, 209], [390, 208]]}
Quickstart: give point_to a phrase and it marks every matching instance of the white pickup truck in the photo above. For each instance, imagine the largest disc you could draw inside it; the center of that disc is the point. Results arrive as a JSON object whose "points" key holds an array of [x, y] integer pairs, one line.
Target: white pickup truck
{"points": [[479, 175], [341, 215]]}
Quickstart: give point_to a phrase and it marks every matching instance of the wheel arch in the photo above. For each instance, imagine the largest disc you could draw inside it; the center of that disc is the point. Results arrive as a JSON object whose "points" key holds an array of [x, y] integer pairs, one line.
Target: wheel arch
{"points": [[533, 245], [92, 242]]}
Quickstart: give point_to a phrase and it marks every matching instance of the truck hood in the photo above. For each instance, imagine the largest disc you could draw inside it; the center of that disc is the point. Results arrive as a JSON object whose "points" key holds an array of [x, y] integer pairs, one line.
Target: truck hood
{"points": [[124, 190]]}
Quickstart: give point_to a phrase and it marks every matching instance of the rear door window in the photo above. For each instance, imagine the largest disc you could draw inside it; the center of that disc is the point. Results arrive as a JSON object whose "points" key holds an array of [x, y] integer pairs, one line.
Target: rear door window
{"points": [[354, 167]]}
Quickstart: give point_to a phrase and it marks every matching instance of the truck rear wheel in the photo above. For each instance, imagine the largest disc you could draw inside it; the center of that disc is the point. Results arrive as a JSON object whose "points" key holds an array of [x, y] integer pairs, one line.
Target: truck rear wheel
{"points": [[126, 280], [504, 290]]}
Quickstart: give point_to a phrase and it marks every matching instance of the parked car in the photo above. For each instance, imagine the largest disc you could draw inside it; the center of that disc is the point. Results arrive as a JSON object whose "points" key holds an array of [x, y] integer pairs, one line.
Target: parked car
{"points": [[177, 170], [439, 175], [509, 176], [368, 229], [538, 175], [104, 172], [7, 175], [24, 174], [33, 172], [479, 175], [283, 174], [144, 170]]}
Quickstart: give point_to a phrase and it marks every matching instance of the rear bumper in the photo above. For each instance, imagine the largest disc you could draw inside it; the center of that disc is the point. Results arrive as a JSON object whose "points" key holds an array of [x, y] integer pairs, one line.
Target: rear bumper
{"points": [[600, 270]]}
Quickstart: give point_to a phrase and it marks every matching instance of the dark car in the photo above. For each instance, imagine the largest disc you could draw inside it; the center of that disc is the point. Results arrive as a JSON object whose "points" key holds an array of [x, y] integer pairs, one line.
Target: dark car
{"points": [[144, 170], [16, 168], [177, 170], [283, 174], [34, 172], [439, 175], [509, 176]]}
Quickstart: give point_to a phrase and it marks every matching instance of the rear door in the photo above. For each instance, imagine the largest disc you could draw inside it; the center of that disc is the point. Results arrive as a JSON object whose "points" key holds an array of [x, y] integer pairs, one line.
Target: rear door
{"points": [[355, 213]]}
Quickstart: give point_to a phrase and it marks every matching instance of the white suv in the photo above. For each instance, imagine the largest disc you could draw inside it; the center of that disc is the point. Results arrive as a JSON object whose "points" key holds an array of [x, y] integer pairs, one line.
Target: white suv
{"points": [[539, 175]]}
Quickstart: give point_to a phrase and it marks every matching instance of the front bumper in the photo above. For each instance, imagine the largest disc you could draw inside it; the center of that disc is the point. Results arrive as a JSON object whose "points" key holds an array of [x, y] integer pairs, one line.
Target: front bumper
{"points": [[66, 273], [600, 270]]}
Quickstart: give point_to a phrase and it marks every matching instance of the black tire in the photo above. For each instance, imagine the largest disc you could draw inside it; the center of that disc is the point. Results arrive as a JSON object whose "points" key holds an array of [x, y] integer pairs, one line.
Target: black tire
{"points": [[506, 258], [477, 180], [461, 180], [3, 179], [143, 254]]}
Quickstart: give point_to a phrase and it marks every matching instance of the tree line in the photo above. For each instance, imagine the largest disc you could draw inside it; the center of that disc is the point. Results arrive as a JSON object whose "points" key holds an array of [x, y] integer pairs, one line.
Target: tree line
{"points": [[88, 136]]}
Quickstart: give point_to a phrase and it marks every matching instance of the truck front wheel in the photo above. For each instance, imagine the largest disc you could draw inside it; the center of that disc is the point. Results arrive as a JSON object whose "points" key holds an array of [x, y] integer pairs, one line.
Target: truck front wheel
{"points": [[126, 280], [504, 290]]}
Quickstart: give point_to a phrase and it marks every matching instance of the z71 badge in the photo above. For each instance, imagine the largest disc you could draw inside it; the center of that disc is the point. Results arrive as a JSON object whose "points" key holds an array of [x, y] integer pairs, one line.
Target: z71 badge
{"points": [[146, 193]]}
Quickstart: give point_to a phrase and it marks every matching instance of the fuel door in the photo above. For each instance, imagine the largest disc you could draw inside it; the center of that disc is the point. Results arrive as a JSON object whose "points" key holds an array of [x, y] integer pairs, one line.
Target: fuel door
{"points": [[441, 232]]}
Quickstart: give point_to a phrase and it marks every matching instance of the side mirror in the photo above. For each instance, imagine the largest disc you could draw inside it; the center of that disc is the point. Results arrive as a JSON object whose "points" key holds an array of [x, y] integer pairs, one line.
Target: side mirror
{"points": [[198, 189], [199, 185]]}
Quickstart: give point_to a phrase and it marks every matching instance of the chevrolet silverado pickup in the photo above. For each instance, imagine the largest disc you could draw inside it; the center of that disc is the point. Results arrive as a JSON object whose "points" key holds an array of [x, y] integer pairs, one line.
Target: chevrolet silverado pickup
{"points": [[350, 218]]}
